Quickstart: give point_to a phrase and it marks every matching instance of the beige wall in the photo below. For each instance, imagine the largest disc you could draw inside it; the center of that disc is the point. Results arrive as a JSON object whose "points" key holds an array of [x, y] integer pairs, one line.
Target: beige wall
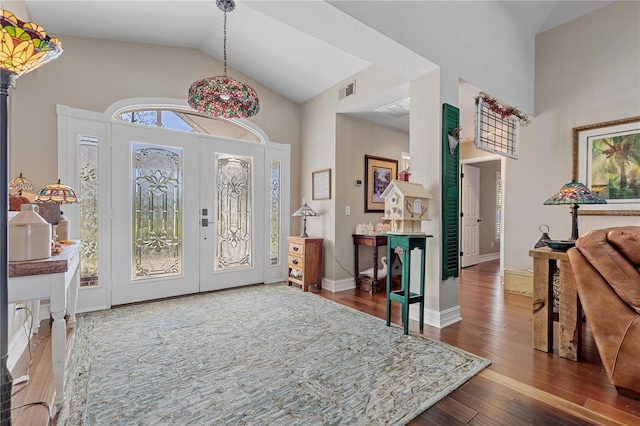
{"points": [[587, 72], [92, 74], [318, 152], [355, 139]]}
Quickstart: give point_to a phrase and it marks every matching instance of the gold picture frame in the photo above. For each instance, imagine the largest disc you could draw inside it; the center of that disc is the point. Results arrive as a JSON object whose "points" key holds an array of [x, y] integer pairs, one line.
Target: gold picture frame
{"points": [[321, 184], [378, 173], [597, 155]]}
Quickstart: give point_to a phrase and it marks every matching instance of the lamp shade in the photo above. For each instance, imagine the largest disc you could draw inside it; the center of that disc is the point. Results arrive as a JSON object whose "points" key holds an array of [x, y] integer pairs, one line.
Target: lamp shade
{"points": [[223, 96], [20, 184], [305, 210], [575, 193], [24, 46], [57, 193]]}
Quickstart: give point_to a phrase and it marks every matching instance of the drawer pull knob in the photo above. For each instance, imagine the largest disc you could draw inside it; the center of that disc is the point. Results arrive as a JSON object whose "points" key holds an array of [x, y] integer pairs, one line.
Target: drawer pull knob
{"points": [[296, 248], [294, 261]]}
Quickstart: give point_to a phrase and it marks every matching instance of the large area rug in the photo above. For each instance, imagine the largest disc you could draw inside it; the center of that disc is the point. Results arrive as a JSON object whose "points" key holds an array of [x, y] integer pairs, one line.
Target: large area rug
{"points": [[260, 355]]}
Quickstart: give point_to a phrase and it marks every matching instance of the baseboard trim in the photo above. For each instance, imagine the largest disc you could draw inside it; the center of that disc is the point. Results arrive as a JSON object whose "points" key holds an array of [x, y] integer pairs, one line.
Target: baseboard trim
{"points": [[336, 286], [489, 256], [438, 319]]}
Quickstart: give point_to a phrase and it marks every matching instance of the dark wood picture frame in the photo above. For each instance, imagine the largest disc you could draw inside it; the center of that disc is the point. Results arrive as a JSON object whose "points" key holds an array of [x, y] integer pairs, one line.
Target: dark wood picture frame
{"points": [[378, 173]]}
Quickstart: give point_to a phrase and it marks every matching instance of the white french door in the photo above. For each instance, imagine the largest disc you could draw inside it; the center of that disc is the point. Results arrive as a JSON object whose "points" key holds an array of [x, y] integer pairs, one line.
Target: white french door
{"points": [[168, 212], [187, 213], [155, 201], [232, 194]]}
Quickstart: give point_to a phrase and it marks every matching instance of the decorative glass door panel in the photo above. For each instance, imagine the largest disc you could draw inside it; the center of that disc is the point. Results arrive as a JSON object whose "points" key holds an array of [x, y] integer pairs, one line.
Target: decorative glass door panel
{"points": [[156, 189], [232, 232], [89, 214], [274, 212], [157, 200], [234, 212]]}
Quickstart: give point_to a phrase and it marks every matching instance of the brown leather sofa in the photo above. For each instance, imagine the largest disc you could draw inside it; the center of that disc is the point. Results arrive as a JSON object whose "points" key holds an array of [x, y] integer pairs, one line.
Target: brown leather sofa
{"points": [[606, 266]]}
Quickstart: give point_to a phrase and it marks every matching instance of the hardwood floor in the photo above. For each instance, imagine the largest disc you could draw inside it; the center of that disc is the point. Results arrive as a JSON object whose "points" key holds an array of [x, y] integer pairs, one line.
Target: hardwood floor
{"points": [[522, 386]]}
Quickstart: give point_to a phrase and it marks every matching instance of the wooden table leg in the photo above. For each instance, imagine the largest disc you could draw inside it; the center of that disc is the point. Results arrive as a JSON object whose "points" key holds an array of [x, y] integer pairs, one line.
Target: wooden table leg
{"points": [[58, 337], [375, 270], [570, 338], [543, 304]]}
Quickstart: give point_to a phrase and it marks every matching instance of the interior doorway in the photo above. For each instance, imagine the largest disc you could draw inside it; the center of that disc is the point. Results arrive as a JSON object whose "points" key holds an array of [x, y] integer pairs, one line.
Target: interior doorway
{"points": [[482, 205]]}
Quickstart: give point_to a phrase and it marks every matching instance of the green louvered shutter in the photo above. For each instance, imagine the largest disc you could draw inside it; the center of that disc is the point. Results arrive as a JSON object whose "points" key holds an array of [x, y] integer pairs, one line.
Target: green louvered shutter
{"points": [[450, 195]]}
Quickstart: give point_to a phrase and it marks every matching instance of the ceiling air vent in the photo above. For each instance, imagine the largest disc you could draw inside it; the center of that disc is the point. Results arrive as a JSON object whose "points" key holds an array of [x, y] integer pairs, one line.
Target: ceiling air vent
{"points": [[347, 90]]}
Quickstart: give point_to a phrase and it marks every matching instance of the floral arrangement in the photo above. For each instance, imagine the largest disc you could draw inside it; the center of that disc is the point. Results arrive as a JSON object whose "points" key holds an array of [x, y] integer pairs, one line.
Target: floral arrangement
{"points": [[504, 111]]}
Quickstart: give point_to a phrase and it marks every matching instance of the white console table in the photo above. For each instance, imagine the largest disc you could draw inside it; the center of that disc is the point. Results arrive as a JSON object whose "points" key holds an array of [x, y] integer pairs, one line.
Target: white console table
{"points": [[55, 278]]}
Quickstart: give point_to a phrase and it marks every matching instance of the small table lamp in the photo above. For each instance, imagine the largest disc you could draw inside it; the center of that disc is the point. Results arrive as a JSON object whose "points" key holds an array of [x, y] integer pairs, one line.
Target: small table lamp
{"points": [[59, 194], [304, 211], [20, 184], [575, 193]]}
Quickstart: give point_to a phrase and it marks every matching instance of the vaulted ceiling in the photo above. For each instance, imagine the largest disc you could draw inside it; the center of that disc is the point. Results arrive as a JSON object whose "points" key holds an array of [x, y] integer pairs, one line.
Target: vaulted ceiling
{"points": [[296, 48]]}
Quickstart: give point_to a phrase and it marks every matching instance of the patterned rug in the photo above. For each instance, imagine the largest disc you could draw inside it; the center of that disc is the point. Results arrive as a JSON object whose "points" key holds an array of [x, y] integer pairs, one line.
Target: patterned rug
{"points": [[259, 355]]}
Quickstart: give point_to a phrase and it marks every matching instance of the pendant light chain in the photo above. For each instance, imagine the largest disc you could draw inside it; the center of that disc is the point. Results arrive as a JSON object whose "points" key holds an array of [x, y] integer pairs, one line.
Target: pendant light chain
{"points": [[225, 44], [223, 96]]}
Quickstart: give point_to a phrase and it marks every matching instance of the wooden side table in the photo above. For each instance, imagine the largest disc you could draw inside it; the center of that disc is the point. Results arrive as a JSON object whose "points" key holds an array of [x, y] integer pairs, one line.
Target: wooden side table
{"points": [[365, 283], [305, 262], [569, 309]]}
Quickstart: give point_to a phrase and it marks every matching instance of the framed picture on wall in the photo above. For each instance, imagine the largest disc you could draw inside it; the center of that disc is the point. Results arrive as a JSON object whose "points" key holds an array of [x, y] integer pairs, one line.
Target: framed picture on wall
{"points": [[378, 173], [321, 184], [605, 159]]}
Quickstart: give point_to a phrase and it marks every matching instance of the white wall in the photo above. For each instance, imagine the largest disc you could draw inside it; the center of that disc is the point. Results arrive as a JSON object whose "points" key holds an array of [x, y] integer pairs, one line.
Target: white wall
{"points": [[587, 72], [475, 40]]}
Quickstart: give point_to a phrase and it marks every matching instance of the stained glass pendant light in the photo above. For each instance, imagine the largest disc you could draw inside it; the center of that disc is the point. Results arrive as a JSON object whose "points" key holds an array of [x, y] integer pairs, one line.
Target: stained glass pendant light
{"points": [[223, 96]]}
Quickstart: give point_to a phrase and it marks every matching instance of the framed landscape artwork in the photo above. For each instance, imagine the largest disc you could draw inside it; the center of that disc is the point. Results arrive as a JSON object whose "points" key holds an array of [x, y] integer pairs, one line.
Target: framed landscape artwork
{"points": [[606, 158], [378, 173]]}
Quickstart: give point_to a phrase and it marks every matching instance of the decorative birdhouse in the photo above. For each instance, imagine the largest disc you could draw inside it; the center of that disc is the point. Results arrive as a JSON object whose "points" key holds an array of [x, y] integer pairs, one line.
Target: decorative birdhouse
{"points": [[406, 204]]}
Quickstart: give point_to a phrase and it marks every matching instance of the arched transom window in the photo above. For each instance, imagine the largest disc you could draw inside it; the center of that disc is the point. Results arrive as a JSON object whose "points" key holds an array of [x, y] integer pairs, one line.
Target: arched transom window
{"points": [[188, 121]]}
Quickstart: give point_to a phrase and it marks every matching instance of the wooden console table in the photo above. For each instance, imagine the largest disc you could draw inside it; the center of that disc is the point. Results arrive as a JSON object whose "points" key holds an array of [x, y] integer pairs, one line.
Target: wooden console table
{"points": [[569, 309], [55, 278], [363, 283]]}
